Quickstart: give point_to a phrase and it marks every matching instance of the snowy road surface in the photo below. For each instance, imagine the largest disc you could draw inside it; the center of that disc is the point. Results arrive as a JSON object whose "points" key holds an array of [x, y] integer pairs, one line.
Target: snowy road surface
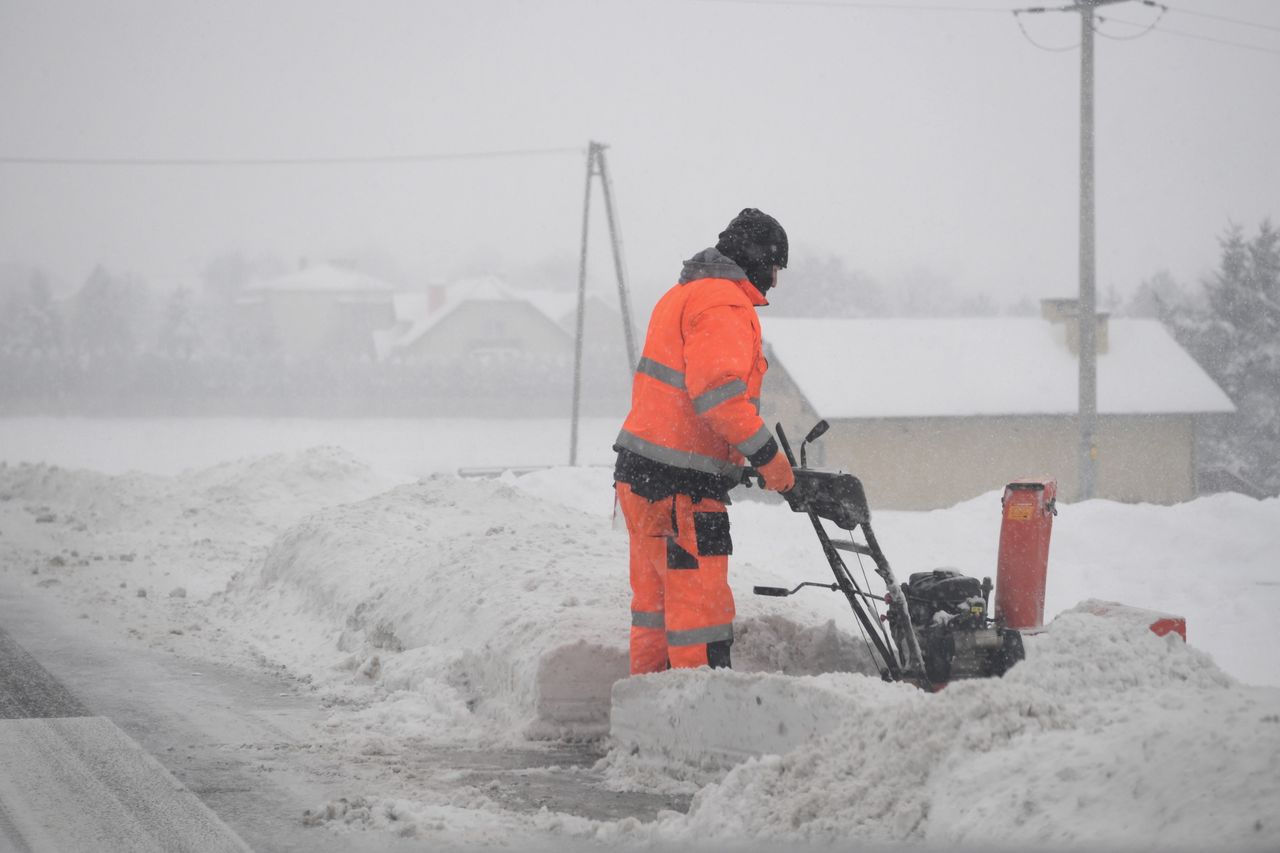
{"points": [[333, 655], [161, 732], [83, 784], [243, 740], [73, 781]]}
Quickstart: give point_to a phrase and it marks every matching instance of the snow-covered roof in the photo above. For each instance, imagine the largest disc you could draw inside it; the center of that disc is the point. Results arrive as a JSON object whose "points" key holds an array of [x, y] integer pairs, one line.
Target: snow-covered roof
{"points": [[418, 312], [887, 368], [559, 305], [324, 278]]}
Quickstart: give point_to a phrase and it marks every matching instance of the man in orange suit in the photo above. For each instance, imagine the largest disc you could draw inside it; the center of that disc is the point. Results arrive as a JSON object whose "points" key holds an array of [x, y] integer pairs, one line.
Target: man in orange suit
{"points": [[694, 423]]}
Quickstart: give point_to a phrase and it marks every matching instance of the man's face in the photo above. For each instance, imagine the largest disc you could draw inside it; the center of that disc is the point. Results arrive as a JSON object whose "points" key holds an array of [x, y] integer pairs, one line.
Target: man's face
{"points": [[773, 276]]}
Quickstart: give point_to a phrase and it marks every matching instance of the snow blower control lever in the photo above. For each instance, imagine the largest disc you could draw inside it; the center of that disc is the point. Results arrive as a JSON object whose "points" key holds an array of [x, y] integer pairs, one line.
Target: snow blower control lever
{"points": [[937, 623]]}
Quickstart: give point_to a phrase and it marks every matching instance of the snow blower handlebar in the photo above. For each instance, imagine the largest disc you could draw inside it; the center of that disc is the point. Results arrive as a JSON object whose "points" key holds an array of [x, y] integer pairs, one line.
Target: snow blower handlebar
{"points": [[840, 498], [783, 592]]}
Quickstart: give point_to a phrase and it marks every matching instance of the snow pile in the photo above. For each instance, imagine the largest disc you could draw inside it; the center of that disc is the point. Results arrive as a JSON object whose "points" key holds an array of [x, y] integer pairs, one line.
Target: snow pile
{"points": [[491, 607], [275, 488], [153, 550], [586, 489], [674, 722], [467, 591], [282, 487], [1087, 655], [1105, 735], [82, 496], [1211, 561]]}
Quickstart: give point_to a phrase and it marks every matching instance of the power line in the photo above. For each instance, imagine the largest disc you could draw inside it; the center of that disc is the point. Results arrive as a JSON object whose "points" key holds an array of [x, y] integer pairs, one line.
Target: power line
{"points": [[377, 159], [1154, 26], [936, 7], [1196, 36], [1219, 18], [1163, 10], [1017, 17], [882, 6]]}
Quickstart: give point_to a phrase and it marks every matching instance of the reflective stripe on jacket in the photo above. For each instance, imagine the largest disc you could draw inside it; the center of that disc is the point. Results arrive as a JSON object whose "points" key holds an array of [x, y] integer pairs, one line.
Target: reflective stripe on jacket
{"points": [[694, 399]]}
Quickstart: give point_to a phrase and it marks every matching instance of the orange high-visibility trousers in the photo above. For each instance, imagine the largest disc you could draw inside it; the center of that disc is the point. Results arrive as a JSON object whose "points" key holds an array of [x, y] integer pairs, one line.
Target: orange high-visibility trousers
{"points": [[681, 605]]}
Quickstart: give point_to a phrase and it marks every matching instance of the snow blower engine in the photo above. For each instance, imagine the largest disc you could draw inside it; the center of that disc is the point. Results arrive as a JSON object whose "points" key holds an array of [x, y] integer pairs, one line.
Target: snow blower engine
{"points": [[938, 627], [957, 640]]}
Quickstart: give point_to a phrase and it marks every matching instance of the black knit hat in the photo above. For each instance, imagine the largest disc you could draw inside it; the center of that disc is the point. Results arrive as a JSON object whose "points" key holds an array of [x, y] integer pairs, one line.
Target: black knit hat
{"points": [[756, 242]]}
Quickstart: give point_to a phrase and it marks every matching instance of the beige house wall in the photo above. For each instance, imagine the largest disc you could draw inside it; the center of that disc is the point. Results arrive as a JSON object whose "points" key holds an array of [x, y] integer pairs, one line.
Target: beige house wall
{"points": [[306, 323], [928, 463], [301, 320], [493, 326]]}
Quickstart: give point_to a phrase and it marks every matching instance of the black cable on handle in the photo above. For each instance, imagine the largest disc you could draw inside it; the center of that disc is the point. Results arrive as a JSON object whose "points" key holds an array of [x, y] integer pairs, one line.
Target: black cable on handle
{"points": [[892, 670]]}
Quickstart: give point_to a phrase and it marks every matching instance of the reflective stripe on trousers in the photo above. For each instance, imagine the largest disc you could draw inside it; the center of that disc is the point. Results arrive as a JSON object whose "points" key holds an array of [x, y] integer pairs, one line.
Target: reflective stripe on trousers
{"points": [[700, 636], [676, 611], [648, 619]]}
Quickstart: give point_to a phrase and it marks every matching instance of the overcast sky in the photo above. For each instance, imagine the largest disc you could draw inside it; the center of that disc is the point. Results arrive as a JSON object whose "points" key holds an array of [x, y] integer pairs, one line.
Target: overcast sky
{"points": [[899, 139]]}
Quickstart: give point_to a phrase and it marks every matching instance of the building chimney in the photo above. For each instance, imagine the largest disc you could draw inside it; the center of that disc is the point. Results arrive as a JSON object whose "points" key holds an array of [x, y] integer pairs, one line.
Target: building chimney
{"points": [[436, 294], [1066, 313], [1058, 310]]}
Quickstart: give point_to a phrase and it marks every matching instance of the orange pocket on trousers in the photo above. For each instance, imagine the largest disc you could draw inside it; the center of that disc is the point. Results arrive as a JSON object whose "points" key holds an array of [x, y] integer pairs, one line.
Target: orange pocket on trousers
{"points": [[654, 518]]}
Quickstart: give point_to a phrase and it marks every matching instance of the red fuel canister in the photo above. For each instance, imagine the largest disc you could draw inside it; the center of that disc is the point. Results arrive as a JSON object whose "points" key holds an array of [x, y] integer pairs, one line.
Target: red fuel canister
{"points": [[1023, 562]]}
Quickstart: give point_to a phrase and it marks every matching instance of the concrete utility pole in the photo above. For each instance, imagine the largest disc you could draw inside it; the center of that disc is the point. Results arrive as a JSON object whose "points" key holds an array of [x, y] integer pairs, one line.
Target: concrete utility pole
{"points": [[1088, 300], [1088, 381], [1088, 319], [596, 166]]}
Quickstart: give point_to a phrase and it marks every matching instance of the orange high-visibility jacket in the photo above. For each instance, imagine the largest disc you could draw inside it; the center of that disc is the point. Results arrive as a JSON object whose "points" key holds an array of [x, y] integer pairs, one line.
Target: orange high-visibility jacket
{"points": [[696, 395]]}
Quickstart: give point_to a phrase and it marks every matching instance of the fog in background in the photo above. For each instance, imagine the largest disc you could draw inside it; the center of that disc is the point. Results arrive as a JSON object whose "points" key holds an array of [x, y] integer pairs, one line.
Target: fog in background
{"points": [[907, 143], [923, 157]]}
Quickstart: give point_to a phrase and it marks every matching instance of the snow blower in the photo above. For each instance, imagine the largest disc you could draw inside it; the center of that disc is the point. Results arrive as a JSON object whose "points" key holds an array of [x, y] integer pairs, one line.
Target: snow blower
{"points": [[938, 627]]}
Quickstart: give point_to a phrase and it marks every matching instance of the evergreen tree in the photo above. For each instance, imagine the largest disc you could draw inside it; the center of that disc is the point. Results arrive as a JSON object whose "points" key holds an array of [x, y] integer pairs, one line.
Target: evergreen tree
{"points": [[1160, 297], [32, 325], [179, 336], [105, 316], [31, 346], [1239, 344]]}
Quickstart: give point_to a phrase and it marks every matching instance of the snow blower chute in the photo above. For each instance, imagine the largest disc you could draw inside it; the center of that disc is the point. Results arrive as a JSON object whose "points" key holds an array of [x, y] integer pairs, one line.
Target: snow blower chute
{"points": [[938, 624]]}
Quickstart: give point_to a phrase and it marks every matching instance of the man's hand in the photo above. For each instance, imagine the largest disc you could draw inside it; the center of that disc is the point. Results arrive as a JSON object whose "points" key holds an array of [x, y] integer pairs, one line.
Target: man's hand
{"points": [[777, 473]]}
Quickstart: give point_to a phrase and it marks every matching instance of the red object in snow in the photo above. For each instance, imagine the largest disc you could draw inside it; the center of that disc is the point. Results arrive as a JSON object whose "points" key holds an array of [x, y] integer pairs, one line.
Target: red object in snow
{"points": [[1160, 624], [1023, 563], [1170, 625]]}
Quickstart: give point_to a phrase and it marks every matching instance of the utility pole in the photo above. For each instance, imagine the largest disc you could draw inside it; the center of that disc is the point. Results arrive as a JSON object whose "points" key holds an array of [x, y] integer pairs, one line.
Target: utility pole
{"points": [[1087, 316], [615, 237], [1087, 303], [596, 166]]}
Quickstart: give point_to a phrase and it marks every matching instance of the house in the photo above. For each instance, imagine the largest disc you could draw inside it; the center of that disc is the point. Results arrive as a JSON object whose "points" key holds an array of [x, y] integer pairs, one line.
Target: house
{"points": [[929, 412], [485, 317], [320, 309]]}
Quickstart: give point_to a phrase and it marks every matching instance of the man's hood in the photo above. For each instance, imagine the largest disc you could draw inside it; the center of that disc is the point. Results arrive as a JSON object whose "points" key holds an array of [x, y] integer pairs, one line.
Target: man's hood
{"points": [[710, 263]]}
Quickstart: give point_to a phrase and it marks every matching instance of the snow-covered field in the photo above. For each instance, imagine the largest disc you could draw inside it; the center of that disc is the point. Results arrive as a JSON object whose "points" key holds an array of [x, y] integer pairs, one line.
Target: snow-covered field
{"points": [[430, 609]]}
